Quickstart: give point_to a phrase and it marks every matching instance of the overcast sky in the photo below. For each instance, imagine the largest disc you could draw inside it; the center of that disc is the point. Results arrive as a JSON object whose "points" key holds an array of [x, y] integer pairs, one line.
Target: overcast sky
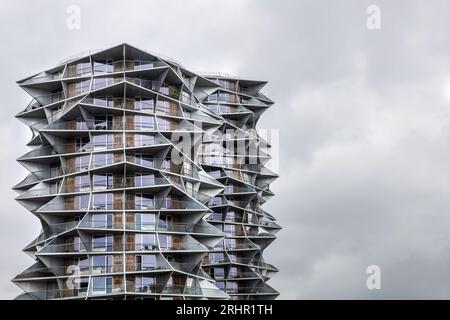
{"points": [[363, 118]]}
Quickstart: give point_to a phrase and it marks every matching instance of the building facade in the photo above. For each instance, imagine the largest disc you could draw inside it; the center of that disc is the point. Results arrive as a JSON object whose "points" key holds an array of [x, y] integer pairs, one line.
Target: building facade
{"points": [[148, 180]]}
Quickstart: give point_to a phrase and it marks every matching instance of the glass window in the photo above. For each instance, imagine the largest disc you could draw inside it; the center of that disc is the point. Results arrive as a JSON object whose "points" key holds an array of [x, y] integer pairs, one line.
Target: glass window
{"points": [[82, 86], [82, 183], [102, 243], [81, 202], [102, 159], [220, 285], [232, 287], [103, 141], [143, 122], [101, 285], [144, 283], [216, 216], [102, 201], [229, 228], [218, 273], [104, 101], [144, 201], [232, 272], [143, 140], [102, 181], [82, 68], [103, 122], [82, 263], [143, 104], [102, 263], [216, 257], [78, 245], [103, 66], [144, 160], [165, 241], [230, 243], [142, 180], [102, 220], [145, 221], [145, 262], [145, 241], [82, 162]]}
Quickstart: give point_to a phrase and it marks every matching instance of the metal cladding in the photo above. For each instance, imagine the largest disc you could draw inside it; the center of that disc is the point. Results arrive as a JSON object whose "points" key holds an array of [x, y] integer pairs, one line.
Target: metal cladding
{"points": [[148, 181]]}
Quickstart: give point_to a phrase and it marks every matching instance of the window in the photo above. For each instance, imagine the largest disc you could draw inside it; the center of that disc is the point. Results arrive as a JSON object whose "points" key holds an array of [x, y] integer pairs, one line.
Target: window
{"points": [[144, 160], [165, 124], [102, 159], [232, 273], [143, 104], [220, 285], [144, 283], [103, 82], [82, 183], [230, 243], [102, 263], [232, 257], [232, 287], [230, 216], [102, 220], [102, 201], [145, 241], [216, 201], [81, 125], [218, 273], [103, 122], [82, 86], [215, 174], [143, 201], [78, 245], [102, 181], [105, 101], [216, 257], [145, 262], [101, 285], [143, 122], [143, 140], [82, 68], [102, 243], [142, 180], [216, 216], [229, 229], [81, 202], [165, 241], [82, 163], [213, 97], [145, 221], [103, 141], [82, 263], [103, 66]]}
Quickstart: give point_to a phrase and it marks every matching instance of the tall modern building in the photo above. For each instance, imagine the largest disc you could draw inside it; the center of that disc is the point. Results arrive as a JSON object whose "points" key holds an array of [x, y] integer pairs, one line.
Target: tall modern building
{"points": [[148, 181]]}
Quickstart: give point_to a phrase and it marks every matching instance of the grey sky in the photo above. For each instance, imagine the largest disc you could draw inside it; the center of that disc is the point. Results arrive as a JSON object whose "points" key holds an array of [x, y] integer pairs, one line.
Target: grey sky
{"points": [[363, 118]]}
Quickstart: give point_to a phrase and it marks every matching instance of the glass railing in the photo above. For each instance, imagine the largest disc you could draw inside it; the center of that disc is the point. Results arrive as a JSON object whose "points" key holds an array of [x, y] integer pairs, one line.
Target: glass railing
{"points": [[183, 246], [126, 65], [96, 224], [41, 192], [133, 246], [43, 78], [144, 268], [105, 82], [59, 294], [87, 124], [105, 290], [117, 183]]}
